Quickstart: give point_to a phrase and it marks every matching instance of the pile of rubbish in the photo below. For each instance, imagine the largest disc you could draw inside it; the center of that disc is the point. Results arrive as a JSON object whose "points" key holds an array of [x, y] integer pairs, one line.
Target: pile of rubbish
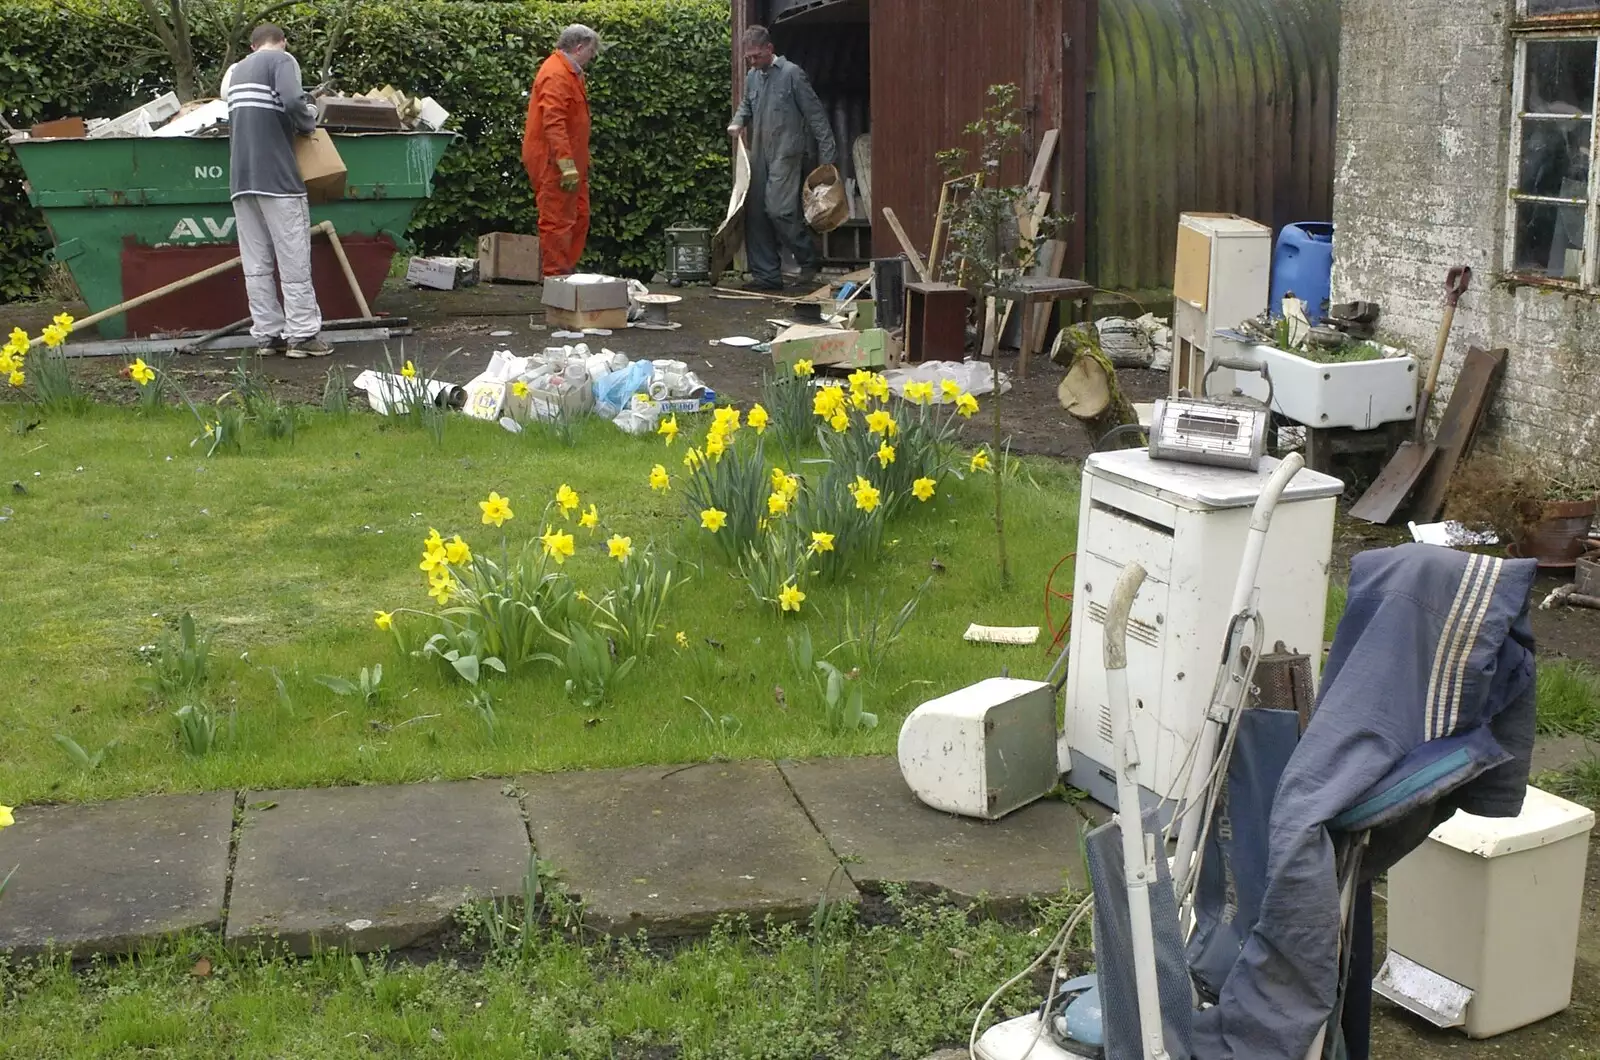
{"points": [[381, 109], [560, 383], [1142, 343]]}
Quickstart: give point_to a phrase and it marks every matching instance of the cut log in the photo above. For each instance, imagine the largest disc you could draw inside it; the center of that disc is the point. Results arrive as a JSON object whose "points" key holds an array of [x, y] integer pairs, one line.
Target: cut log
{"points": [[1089, 391]]}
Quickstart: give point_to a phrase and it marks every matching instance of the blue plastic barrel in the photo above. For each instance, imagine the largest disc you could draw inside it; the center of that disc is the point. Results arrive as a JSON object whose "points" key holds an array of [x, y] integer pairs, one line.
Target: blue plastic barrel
{"points": [[1302, 264]]}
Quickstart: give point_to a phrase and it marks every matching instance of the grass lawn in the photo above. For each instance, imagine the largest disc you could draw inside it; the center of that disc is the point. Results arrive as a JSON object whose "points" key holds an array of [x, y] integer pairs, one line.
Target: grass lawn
{"points": [[285, 551], [848, 990]]}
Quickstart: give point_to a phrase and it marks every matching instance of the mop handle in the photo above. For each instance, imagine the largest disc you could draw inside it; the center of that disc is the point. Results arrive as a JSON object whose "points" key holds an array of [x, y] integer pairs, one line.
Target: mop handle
{"points": [[1138, 855], [1210, 727]]}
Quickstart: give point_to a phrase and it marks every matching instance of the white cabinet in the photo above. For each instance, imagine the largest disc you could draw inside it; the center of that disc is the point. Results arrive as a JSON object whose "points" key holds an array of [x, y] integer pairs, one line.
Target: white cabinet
{"points": [[1224, 266], [1186, 525]]}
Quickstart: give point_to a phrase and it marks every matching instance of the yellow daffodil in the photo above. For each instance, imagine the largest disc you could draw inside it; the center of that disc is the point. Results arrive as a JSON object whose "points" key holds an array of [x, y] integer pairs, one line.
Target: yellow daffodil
{"points": [[567, 498], [384, 620], [668, 428], [950, 389], [790, 487], [821, 541], [432, 561], [725, 420], [715, 446], [791, 598], [140, 372], [557, 544], [713, 519], [866, 494], [966, 404], [457, 552], [878, 387], [758, 419], [840, 422], [62, 320], [660, 481], [16, 378], [828, 403], [7, 819], [53, 335], [885, 454], [980, 460], [777, 504], [779, 477], [433, 542], [921, 393], [804, 368], [693, 459], [682, 639], [211, 430], [922, 489], [858, 381], [620, 547], [519, 389], [859, 401], [590, 519], [19, 339], [880, 422], [496, 510], [409, 371], [441, 590], [8, 361]]}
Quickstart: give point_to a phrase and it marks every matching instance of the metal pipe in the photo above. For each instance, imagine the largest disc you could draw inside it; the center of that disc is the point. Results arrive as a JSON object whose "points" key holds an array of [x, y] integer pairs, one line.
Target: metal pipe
{"points": [[1220, 711], [1138, 850]]}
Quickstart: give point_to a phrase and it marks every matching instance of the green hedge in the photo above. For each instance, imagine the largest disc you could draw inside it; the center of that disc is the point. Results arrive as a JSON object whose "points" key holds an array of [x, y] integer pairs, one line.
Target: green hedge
{"points": [[659, 99]]}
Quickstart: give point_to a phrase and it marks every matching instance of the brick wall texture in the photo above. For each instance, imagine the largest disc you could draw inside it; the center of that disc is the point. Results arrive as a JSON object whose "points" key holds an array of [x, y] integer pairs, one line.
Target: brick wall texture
{"points": [[1425, 115]]}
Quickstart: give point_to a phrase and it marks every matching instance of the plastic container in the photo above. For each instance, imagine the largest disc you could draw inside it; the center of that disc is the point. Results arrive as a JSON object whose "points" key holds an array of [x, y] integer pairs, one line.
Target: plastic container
{"points": [[1484, 918], [1302, 264]]}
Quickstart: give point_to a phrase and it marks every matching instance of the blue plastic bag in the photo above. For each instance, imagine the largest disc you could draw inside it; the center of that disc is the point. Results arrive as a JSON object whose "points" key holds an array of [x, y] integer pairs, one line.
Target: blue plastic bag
{"points": [[613, 390]]}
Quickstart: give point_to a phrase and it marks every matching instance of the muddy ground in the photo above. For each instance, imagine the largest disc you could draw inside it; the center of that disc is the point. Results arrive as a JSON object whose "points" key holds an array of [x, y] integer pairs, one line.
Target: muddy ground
{"points": [[460, 326]]}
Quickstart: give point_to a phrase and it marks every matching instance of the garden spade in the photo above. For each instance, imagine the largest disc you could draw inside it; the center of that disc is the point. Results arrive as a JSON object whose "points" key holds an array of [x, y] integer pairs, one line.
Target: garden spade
{"points": [[1406, 468]]}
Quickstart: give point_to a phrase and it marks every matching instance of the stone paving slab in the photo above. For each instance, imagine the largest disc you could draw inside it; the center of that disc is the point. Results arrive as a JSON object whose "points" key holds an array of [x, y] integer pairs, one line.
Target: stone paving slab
{"points": [[865, 810], [369, 868], [102, 878], [670, 850]]}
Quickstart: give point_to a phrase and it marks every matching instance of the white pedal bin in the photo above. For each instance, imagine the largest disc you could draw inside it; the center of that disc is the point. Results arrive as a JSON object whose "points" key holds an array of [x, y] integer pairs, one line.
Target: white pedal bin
{"points": [[1484, 918]]}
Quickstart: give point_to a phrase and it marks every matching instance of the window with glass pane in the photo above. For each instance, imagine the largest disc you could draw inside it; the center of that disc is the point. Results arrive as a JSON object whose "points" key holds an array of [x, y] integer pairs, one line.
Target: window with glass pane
{"points": [[1560, 7], [1551, 184]]}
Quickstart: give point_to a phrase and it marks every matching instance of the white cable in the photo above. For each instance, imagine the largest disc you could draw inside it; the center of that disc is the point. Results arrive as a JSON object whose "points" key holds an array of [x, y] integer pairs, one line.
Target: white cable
{"points": [[1056, 944]]}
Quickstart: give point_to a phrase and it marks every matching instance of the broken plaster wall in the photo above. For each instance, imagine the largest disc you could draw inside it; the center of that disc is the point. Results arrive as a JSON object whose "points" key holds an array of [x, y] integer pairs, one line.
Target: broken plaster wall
{"points": [[1420, 185]]}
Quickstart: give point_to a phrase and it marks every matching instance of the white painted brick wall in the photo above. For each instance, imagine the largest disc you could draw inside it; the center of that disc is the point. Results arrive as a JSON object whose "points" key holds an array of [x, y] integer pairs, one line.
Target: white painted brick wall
{"points": [[1423, 143]]}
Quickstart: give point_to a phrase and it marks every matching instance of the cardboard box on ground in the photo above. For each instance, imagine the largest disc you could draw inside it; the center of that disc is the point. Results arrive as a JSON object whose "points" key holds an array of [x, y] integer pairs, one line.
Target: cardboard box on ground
{"points": [[831, 347], [586, 300], [442, 274], [508, 257]]}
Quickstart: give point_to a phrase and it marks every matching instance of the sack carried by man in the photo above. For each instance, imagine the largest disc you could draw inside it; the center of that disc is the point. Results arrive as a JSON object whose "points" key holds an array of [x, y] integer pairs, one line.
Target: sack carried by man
{"points": [[825, 205]]}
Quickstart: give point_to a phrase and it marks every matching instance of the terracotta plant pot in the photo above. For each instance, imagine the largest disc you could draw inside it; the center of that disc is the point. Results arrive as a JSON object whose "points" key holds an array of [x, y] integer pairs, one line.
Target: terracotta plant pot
{"points": [[1558, 539]]}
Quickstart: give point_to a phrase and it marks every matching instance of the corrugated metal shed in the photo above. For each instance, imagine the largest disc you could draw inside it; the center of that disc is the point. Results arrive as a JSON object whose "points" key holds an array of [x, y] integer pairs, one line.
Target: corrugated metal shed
{"points": [[1206, 105], [1210, 105]]}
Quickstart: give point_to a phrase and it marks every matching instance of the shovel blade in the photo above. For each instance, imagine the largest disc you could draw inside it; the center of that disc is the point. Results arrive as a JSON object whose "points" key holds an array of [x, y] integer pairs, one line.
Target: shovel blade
{"points": [[1394, 484]]}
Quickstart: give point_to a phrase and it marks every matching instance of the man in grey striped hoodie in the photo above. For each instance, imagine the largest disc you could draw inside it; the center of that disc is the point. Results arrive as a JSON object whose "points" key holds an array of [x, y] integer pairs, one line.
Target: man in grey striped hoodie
{"points": [[267, 108]]}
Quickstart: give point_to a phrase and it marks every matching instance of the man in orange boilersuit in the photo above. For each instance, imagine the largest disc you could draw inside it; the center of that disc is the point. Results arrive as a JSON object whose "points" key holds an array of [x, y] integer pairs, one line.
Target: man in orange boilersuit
{"points": [[555, 149]]}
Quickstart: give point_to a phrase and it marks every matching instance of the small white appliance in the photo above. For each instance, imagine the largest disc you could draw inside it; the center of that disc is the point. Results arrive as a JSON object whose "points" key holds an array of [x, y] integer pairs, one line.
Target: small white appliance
{"points": [[1484, 918], [984, 750], [1187, 526]]}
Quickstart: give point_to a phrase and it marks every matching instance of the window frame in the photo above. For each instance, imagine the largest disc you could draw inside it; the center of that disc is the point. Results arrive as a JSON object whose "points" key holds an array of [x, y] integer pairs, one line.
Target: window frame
{"points": [[1589, 266]]}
